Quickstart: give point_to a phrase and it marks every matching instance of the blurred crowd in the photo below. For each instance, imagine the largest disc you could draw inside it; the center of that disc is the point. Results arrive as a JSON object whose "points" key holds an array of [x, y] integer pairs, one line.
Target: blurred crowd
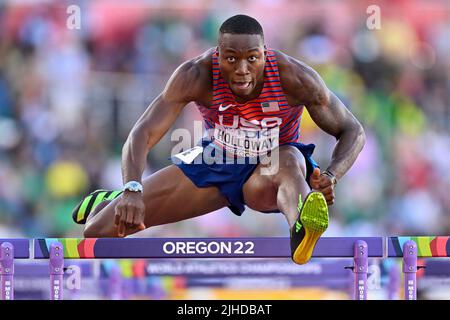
{"points": [[69, 97]]}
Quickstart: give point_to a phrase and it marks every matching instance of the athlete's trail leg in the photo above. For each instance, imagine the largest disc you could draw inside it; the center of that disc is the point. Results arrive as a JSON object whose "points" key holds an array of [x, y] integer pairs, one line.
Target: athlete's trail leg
{"points": [[169, 196]]}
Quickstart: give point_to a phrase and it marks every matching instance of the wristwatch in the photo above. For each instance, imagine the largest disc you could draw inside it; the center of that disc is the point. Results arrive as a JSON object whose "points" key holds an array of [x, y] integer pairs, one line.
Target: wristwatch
{"points": [[133, 186]]}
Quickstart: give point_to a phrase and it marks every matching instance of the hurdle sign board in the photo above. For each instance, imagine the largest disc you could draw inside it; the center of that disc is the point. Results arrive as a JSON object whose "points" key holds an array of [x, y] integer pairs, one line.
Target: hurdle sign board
{"points": [[318, 269], [275, 247], [427, 246]]}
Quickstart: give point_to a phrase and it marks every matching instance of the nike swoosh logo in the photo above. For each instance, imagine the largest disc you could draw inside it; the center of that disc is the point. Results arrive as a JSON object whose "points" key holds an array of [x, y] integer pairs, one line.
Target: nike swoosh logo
{"points": [[222, 108]]}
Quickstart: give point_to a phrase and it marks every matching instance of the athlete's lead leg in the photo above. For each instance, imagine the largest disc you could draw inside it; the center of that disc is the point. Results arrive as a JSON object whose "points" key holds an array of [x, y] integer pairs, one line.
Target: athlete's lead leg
{"points": [[286, 190], [278, 184]]}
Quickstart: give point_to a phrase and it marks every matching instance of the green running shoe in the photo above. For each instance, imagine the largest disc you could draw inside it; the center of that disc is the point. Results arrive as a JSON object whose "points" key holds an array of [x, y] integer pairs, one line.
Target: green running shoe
{"points": [[88, 204], [312, 222]]}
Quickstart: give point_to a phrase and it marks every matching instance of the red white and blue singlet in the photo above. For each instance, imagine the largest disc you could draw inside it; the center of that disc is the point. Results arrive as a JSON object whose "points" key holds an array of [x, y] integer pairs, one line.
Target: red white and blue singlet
{"points": [[244, 131], [254, 127]]}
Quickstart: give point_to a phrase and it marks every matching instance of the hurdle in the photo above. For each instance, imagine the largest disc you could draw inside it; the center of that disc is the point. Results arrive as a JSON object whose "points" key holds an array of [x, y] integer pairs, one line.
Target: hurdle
{"points": [[360, 249], [11, 249], [411, 248]]}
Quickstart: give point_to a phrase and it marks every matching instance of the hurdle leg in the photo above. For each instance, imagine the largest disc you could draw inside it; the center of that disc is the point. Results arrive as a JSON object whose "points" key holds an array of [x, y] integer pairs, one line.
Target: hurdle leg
{"points": [[410, 270], [360, 268], [56, 264], [7, 271]]}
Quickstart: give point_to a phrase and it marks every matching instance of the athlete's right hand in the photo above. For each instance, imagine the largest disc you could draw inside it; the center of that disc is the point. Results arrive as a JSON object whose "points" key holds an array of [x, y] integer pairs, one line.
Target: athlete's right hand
{"points": [[321, 182], [130, 213]]}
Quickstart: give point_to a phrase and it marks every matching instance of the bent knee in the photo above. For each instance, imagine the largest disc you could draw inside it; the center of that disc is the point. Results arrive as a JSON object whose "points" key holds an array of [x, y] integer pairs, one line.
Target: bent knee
{"points": [[292, 160]]}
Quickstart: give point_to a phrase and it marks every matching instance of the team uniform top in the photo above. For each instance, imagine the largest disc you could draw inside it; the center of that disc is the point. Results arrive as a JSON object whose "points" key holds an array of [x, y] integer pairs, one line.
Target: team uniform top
{"points": [[246, 131], [254, 127]]}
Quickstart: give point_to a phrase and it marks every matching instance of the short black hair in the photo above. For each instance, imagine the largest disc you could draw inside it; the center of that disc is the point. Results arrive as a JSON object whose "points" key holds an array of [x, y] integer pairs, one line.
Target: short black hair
{"points": [[241, 24]]}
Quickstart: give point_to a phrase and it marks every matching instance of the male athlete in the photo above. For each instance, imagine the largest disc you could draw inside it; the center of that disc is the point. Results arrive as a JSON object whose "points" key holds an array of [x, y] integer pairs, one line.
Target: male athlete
{"points": [[251, 99]]}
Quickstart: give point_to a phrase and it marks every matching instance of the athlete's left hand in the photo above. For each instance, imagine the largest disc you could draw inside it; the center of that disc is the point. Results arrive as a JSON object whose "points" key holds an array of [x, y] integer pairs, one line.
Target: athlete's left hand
{"points": [[324, 184]]}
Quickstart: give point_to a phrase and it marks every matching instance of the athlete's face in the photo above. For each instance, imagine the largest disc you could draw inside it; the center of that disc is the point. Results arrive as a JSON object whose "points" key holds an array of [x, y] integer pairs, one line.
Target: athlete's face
{"points": [[241, 62]]}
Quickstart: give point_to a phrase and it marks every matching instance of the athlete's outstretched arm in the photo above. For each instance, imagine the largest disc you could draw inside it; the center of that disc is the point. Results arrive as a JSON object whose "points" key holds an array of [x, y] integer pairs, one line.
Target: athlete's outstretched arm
{"points": [[148, 130]]}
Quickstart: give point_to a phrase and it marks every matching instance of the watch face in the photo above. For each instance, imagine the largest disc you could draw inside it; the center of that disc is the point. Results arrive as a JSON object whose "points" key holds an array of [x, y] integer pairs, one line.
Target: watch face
{"points": [[133, 186]]}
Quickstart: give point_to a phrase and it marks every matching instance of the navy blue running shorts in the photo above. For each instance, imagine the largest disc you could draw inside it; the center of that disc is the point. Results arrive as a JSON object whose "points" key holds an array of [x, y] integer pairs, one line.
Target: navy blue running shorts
{"points": [[229, 178]]}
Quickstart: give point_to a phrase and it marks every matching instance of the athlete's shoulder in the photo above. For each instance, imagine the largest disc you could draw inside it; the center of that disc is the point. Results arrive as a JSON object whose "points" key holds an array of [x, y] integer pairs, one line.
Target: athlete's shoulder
{"points": [[299, 81], [198, 67], [193, 77]]}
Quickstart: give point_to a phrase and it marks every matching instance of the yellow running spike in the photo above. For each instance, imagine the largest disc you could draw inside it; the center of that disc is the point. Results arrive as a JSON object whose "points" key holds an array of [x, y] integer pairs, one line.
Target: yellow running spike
{"points": [[314, 219]]}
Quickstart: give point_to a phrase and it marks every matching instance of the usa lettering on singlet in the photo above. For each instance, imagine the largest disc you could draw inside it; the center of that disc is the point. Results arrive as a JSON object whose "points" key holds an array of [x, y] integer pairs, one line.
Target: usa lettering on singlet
{"points": [[257, 126]]}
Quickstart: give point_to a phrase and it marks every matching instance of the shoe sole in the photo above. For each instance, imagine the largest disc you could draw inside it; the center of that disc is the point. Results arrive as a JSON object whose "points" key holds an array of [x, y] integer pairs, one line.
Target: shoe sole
{"points": [[314, 218]]}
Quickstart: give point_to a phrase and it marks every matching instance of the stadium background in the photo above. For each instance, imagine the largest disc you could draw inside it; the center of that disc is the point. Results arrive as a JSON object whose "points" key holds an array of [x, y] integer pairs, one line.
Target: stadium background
{"points": [[68, 99]]}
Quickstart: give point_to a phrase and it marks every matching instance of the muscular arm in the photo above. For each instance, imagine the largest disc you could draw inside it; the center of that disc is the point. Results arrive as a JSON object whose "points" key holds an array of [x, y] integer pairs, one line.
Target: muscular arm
{"points": [[184, 86], [158, 118], [305, 87], [330, 114]]}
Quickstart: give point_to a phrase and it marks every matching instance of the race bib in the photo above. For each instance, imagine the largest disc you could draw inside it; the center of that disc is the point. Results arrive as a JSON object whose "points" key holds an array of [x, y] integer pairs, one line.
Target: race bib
{"points": [[189, 156], [248, 142]]}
